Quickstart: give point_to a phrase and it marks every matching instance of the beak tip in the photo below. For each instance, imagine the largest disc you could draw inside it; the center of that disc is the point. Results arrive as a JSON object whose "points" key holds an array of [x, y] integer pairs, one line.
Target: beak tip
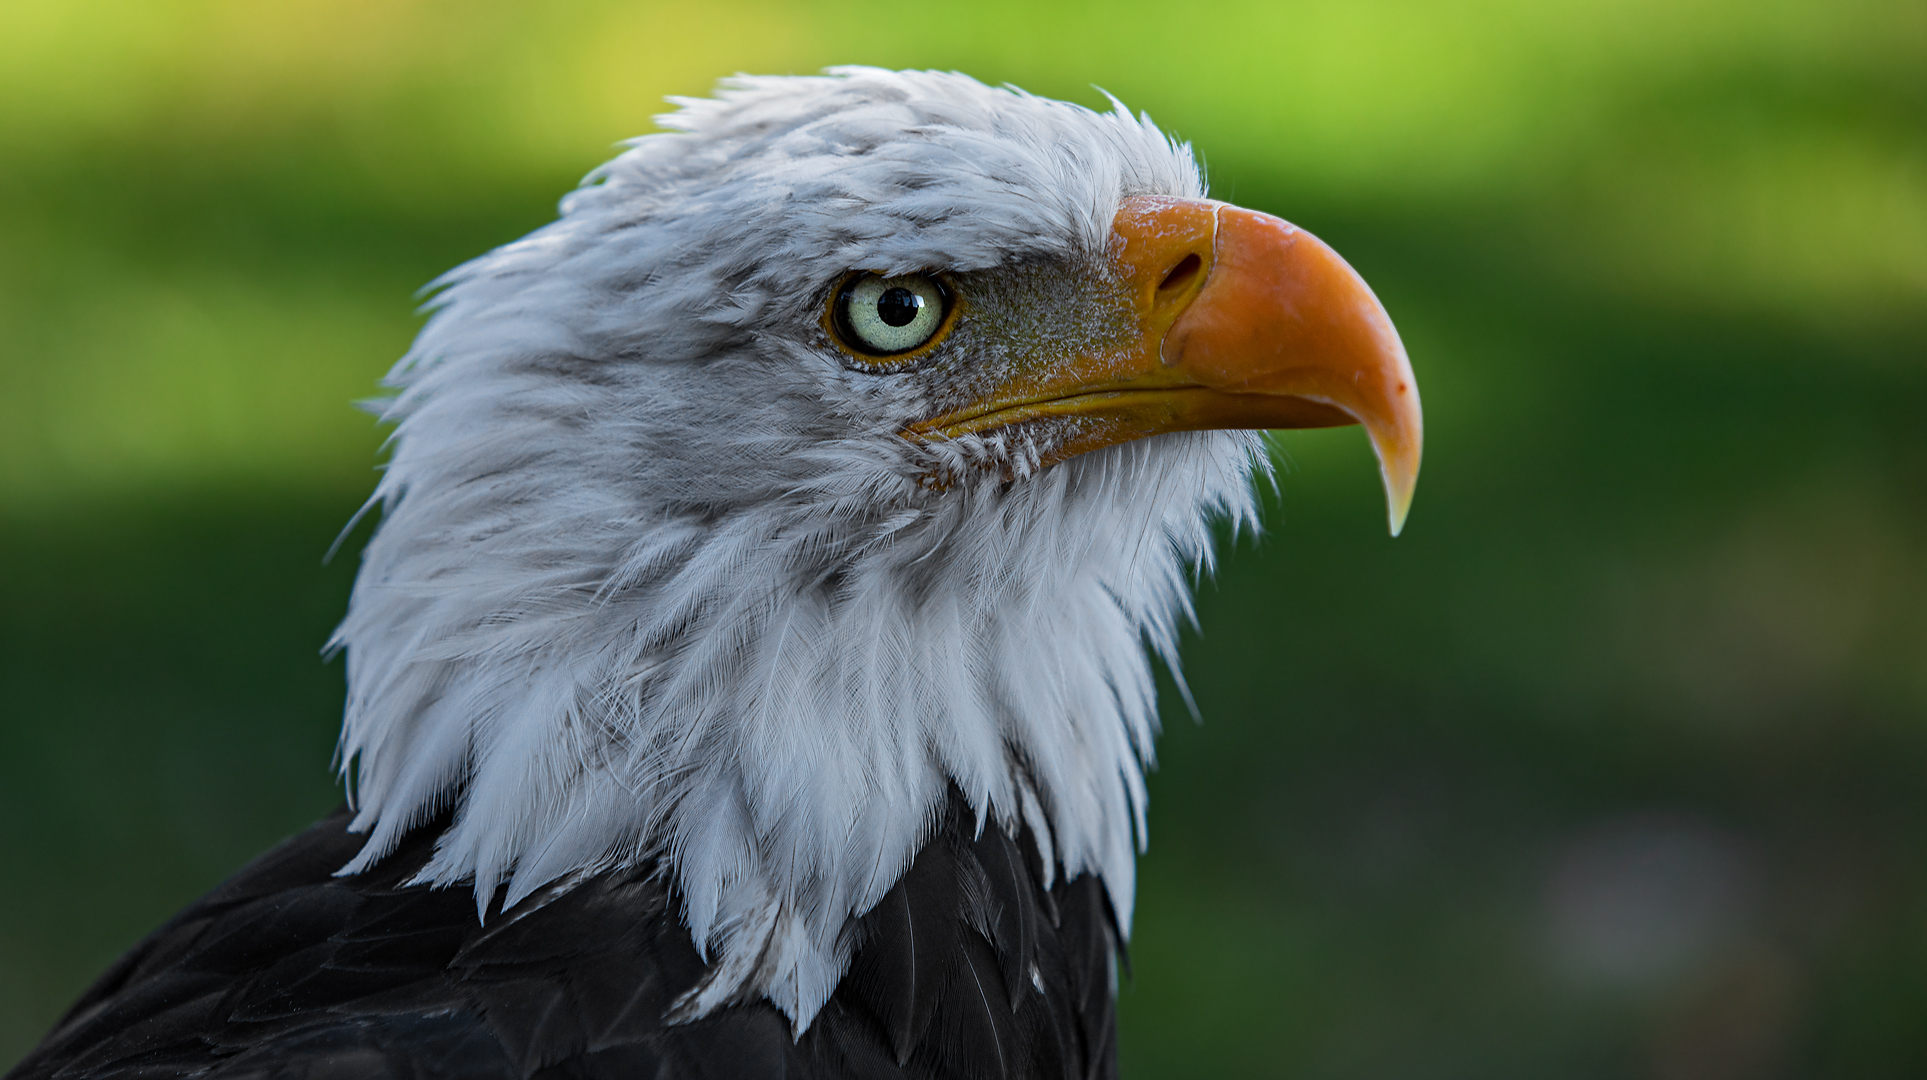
{"points": [[1398, 517], [1401, 480]]}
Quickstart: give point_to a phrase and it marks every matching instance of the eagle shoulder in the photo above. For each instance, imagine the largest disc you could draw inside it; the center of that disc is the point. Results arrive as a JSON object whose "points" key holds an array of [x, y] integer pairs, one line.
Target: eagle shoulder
{"points": [[968, 968]]}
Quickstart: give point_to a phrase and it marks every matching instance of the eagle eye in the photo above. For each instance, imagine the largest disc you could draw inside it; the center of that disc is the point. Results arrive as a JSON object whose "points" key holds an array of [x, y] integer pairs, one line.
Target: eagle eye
{"points": [[879, 316]]}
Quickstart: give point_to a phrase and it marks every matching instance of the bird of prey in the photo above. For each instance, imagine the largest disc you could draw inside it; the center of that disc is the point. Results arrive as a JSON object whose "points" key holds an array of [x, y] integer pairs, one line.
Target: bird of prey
{"points": [[751, 673]]}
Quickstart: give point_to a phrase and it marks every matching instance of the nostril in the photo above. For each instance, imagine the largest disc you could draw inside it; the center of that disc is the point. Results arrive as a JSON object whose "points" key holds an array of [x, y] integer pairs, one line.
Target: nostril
{"points": [[1181, 274]]}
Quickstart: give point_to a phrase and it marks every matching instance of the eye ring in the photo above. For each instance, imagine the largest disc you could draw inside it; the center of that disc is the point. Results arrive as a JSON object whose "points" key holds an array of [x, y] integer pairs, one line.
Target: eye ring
{"points": [[890, 319]]}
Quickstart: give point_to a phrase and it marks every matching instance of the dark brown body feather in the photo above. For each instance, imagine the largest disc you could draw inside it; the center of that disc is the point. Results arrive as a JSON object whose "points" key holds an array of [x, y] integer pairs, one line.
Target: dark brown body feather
{"points": [[967, 969]]}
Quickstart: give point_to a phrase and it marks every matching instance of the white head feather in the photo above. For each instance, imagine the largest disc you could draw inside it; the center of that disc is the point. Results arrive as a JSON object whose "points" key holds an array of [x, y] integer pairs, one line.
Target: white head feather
{"points": [[658, 578]]}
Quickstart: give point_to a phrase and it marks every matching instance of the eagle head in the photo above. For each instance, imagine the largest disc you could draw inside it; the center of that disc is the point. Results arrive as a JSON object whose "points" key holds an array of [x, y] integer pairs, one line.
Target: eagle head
{"points": [[840, 448]]}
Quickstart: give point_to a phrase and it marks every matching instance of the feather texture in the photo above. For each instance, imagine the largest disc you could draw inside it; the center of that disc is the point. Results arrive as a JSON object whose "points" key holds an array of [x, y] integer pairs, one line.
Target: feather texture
{"points": [[289, 971]]}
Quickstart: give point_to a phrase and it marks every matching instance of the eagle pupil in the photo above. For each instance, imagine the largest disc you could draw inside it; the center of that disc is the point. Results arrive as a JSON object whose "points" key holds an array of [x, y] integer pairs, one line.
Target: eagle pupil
{"points": [[898, 306]]}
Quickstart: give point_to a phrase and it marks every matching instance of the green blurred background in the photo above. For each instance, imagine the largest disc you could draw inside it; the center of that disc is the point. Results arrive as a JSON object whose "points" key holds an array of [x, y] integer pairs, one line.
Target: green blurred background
{"points": [[1614, 766]]}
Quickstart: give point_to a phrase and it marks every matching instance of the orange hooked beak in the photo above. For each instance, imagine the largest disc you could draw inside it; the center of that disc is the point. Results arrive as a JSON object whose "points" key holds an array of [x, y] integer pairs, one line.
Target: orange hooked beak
{"points": [[1243, 320]]}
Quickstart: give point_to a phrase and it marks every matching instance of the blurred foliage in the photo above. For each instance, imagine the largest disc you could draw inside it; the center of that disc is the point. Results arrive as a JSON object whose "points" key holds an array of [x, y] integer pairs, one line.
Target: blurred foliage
{"points": [[1612, 766]]}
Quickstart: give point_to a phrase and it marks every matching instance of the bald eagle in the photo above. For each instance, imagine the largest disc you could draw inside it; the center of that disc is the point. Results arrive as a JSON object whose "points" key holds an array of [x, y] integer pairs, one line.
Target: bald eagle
{"points": [[751, 673]]}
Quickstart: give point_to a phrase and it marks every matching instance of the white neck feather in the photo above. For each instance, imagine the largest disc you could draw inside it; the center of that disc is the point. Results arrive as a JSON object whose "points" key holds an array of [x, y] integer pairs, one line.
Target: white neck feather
{"points": [[778, 707]]}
